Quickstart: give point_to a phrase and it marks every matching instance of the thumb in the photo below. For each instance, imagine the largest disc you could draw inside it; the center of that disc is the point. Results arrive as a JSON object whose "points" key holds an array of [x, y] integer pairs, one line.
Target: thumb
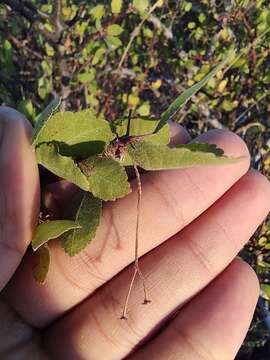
{"points": [[19, 191]]}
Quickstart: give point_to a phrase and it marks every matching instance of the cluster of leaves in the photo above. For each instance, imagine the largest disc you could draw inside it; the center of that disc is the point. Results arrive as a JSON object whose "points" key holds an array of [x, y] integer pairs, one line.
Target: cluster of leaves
{"points": [[91, 153]]}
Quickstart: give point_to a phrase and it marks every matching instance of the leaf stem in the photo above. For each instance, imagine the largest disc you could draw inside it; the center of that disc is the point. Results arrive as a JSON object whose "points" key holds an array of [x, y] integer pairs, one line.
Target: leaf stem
{"points": [[137, 269]]}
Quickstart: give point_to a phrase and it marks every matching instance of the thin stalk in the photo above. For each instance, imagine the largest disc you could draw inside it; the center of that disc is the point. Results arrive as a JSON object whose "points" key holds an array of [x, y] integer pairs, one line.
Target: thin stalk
{"points": [[136, 32], [137, 269]]}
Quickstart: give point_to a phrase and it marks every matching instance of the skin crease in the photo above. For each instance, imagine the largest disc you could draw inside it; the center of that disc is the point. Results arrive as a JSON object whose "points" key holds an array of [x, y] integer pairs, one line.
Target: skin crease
{"points": [[203, 216]]}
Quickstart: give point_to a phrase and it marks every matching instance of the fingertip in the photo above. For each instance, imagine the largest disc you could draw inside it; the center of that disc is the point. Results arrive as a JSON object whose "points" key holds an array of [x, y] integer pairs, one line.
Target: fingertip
{"points": [[178, 134], [231, 143], [249, 281], [12, 116], [19, 182]]}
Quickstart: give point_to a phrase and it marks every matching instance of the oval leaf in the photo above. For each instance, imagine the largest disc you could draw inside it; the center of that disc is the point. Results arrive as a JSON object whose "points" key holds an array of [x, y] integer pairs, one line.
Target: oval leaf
{"points": [[157, 157], [51, 230], [116, 6], [86, 212], [114, 30], [107, 179], [42, 268], [63, 166], [77, 133]]}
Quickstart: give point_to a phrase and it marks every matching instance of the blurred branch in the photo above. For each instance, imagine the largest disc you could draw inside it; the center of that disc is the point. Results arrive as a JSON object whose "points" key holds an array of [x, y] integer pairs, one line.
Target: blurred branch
{"points": [[21, 8], [136, 32], [160, 26], [56, 17], [37, 17], [22, 45]]}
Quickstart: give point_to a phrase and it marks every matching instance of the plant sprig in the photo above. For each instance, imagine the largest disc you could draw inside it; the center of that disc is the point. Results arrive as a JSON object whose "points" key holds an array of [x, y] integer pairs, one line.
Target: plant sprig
{"points": [[88, 151]]}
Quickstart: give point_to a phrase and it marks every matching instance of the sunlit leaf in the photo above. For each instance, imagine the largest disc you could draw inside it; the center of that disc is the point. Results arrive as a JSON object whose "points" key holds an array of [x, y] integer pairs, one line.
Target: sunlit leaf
{"points": [[157, 157], [78, 134], [62, 166], [116, 6], [42, 268], [186, 95], [140, 5], [265, 291], [114, 30], [98, 12], [145, 126], [51, 230], [86, 212], [107, 178]]}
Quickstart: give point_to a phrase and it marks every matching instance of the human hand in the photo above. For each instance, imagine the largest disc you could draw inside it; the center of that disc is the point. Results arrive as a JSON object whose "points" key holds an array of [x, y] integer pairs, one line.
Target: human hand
{"points": [[193, 223]]}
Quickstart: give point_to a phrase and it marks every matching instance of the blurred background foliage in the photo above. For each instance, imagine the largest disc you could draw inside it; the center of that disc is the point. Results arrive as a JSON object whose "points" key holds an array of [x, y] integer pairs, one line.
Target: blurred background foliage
{"points": [[119, 55]]}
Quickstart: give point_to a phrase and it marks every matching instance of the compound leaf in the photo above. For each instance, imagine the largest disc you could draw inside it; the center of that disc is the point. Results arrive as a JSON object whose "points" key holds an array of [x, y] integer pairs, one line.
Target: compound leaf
{"points": [[157, 157], [107, 178], [78, 134], [42, 268], [63, 166], [51, 230], [86, 212], [186, 95], [43, 117]]}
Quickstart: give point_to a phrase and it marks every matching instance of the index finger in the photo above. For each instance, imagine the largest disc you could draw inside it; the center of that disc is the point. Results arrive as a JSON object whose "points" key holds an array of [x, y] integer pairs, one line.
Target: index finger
{"points": [[19, 196]]}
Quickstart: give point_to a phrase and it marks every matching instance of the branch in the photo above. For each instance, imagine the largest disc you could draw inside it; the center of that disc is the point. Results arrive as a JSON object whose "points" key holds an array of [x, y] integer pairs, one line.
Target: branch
{"points": [[56, 17], [36, 17], [158, 25], [22, 45], [136, 32], [23, 10]]}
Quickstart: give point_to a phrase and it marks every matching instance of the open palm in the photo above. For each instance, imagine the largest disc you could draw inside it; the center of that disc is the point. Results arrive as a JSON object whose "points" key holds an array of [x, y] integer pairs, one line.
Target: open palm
{"points": [[193, 223]]}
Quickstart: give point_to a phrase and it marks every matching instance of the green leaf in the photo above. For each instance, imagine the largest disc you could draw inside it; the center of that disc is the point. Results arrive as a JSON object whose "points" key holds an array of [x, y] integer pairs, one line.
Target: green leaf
{"points": [[114, 30], [42, 268], [138, 127], [98, 12], [51, 230], [107, 178], [116, 6], [87, 76], [78, 134], [265, 291], [140, 5], [157, 157], [114, 41], [86, 212], [144, 109], [27, 108], [98, 55], [186, 95], [43, 117], [48, 156], [145, 126]]}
